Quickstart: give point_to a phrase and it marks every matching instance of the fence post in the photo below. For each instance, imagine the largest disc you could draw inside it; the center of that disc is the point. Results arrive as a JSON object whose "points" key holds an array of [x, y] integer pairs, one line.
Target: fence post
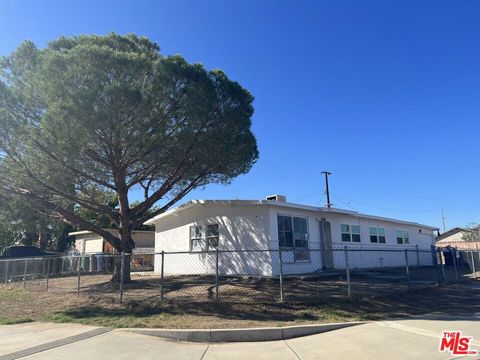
{"points": [[162, 269], [25, 274], [48, 274], [406, 266], [435, 259], [347, 271], [454, 253], [216, 274], [122, 275], [442, 267], [7, 262], [281, 273], [473, 265], [78, 274], [418, 255]]}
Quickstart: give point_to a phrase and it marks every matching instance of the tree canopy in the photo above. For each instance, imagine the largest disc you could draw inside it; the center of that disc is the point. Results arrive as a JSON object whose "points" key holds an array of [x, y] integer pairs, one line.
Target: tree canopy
{"points": [[20, 223], [472, 233], [92, 114]]}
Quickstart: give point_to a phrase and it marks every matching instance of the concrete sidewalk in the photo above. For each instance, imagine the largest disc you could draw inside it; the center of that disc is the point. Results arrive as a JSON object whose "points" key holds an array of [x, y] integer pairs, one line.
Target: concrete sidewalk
{"points": [[400, 339]]}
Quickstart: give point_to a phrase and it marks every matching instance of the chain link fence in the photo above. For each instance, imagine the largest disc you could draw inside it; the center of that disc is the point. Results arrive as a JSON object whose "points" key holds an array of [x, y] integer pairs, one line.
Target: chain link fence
{"points": [[244, 275]]}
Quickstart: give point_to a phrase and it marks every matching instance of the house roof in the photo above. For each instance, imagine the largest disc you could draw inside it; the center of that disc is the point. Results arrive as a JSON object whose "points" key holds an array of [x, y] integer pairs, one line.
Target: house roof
{"points": [[449, 233], [113, 231], [322, 210]]}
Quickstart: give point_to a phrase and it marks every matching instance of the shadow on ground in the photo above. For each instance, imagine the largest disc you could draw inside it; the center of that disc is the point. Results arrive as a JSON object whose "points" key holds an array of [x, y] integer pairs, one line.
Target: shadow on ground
{"points": [[447, 300]]}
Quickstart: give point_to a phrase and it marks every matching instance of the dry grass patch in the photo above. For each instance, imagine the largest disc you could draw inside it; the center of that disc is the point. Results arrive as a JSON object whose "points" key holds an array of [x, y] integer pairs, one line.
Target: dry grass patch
{"points": [[20, 305]]}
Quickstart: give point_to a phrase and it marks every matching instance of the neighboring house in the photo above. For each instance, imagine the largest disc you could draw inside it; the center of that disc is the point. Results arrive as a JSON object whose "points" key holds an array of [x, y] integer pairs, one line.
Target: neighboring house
{"points": [[454, 238], [87, 242], [301, 231]]}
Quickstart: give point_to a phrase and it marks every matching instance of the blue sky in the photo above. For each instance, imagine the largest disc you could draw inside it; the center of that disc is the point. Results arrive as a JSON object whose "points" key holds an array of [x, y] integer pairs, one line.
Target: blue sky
{"points": [[384, 94]]}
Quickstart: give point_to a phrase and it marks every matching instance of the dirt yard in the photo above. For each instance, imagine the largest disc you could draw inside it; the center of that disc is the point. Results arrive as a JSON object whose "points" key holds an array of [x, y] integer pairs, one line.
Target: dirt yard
{"points": [[146, 286], [189, 302]]}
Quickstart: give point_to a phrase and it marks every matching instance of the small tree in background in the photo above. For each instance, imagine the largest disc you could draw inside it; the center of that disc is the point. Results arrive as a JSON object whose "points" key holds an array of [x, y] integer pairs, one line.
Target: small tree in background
{"points": [[24, 224], [95, 114], [472, 233]]}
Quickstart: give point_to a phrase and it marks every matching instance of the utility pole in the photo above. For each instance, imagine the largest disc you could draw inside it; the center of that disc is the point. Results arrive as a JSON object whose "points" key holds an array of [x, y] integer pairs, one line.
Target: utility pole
{"points": [[443, 221], [326, 173]]}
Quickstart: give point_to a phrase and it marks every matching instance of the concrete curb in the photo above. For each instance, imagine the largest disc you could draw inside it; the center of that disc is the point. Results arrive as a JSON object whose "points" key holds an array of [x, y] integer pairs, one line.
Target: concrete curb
{"points": [[242, 335]]}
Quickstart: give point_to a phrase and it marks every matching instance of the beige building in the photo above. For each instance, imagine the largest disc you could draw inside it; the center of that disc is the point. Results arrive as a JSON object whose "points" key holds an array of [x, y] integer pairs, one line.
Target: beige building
{"points": [[454, 238], [89, 243]]}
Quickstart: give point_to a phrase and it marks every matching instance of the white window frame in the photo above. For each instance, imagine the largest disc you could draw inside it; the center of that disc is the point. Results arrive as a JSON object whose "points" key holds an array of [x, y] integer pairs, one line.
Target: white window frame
{"points": [[204, 237], [200, 238], [212, 237], [405, 239], [377, 235], [278, 232], [294, 248], [351, 233]]}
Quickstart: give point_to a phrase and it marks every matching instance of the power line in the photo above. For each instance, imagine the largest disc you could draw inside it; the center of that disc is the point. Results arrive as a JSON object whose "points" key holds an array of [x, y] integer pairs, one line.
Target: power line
{"points": [[443, 221], [319, 202], [308, 196], [345, 203], [388, 209]]}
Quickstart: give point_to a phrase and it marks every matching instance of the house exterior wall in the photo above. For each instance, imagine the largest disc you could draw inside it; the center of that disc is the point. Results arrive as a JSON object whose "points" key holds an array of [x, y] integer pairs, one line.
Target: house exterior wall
{"points": [[423, 239], [289, 266], [144, 239], [357, 259], [89, 243], [80, 245], [240, 228], [254, 227], [456, 240], [94, 245]]}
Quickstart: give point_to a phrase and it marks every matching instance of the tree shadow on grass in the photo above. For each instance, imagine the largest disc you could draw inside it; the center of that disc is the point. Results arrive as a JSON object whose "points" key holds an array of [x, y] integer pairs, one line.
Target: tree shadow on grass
{"points": [[448, 300]]}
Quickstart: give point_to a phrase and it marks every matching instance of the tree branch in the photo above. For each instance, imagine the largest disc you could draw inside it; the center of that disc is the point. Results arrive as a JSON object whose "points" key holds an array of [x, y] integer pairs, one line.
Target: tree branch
{"points": [[70, 218], [91, 205], [165, 207]]}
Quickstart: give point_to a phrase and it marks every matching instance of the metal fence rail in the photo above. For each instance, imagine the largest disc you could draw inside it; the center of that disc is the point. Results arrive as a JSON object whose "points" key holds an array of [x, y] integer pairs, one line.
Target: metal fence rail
{"points": [[245, 275]]}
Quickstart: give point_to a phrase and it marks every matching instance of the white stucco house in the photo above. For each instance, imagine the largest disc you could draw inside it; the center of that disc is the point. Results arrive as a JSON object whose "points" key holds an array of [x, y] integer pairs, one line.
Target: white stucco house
{"points": [[305, 234]]}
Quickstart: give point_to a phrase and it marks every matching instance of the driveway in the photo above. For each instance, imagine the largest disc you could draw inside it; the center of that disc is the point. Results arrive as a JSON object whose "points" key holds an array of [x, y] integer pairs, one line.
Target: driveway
{"points": [[416, 338]]}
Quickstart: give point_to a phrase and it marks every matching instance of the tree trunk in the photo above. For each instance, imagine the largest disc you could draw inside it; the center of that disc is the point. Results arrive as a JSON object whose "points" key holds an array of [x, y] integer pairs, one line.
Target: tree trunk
{"points": [[125, 229], [117, 268], [42, 238], [127, 246]]}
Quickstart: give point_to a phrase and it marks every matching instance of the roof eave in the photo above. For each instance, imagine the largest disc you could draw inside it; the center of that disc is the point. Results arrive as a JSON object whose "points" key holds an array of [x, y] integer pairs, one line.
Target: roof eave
{"points": [[191, 203]]}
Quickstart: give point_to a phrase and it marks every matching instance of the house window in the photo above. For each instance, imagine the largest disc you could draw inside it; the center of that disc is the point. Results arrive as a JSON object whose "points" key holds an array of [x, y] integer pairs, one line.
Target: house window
{"points": [[402, 236], [204, 238], [293, 234], [377, 235], [213, 235], [196, 238], [285, 233], [350, 233]]}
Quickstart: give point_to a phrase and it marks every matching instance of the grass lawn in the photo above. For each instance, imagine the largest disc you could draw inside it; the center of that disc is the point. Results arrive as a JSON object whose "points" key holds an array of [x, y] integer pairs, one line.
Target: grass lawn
{"points": [[18, 305]]}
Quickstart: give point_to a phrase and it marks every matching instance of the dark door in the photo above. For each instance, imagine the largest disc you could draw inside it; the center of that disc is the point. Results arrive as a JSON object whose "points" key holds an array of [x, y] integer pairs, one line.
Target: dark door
{"points": [[326, 244]]}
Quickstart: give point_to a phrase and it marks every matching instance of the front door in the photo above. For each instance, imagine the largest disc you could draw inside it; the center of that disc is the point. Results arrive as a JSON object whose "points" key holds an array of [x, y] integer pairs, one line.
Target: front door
{"points": [[326, 244]]}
